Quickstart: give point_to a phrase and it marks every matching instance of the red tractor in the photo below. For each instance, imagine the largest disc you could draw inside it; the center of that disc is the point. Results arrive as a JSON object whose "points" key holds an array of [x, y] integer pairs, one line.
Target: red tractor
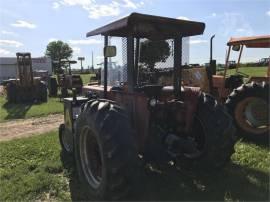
{"points": [[115, 126]]}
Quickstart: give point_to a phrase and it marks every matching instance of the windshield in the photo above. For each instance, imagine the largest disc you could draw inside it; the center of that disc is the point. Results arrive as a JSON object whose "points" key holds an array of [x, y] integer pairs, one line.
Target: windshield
{"points": [[153, 61]]}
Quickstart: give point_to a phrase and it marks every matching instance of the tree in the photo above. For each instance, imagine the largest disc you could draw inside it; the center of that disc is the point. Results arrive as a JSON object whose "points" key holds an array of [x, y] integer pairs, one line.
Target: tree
{"points": [[154, 51], [58, 50]]}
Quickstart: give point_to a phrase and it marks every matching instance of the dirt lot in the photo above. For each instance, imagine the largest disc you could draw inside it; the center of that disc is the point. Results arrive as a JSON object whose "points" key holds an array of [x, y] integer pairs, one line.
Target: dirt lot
{"points": [[26, 127]]}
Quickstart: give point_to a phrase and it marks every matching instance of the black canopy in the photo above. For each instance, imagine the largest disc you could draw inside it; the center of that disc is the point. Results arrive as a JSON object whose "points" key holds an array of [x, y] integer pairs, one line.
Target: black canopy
{"points": [[149, 26]]}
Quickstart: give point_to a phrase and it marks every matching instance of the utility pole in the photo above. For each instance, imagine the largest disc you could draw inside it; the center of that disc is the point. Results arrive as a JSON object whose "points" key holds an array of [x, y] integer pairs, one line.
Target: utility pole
{"points": [[81, 59], [92, 67]]}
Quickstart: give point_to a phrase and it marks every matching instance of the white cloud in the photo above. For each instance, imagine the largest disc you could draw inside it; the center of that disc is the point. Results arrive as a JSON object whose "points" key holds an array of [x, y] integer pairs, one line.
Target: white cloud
{"points": [[96, 10], [197, 41], [212, 15], [23, 24], [76, 51], [4, 52], [8, 33], [231, 22], [55, 5], [84, 42], [130, 4], [268, 13], [11, 43], [241, 30], [183, 18], [52, 39]]}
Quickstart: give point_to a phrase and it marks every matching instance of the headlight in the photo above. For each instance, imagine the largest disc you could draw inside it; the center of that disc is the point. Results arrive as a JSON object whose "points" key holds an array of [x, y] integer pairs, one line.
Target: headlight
{"points": [[153, 102]]}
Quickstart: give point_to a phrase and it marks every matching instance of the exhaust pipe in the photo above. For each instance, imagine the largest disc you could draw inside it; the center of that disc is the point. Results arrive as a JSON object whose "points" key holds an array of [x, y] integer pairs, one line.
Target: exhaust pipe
{"points": [[211, 47]]}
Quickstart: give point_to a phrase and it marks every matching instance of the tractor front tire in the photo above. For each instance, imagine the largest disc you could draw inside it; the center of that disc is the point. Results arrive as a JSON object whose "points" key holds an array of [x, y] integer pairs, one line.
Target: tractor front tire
{"points": [[213, 132], [64, 92], [105, 150], [249, 106], [42, 92], [66, 141]]}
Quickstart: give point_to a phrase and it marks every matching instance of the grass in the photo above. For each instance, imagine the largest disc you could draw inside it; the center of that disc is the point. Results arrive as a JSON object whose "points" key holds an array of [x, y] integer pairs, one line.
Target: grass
{"points": [[252, 71], [86, 78], [32, 170], [16, 111]]}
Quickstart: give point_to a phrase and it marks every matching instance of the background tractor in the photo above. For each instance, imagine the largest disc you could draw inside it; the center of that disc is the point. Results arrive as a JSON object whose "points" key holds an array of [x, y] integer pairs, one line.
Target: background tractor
{"points": [[247, 102], [246, 97], [65, 80], [122, 119], [25, 88]]}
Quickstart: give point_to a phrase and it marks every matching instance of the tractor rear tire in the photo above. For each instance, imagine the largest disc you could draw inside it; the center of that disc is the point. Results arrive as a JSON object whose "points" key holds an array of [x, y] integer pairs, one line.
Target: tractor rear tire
{"points": [[11, 90], [79, 91], [105, 151], [52, 87], [249, 106], [214, 132]]}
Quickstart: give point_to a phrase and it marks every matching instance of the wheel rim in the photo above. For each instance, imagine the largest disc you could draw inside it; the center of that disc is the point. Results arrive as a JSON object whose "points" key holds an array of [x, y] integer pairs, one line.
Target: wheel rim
{"points": [[252, 115], [91, 158], [198, 137]]}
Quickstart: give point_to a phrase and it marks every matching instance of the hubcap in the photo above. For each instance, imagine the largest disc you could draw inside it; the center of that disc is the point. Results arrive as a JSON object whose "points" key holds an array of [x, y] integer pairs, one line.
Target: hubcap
{"points": [[91, 158], [252, 115]]}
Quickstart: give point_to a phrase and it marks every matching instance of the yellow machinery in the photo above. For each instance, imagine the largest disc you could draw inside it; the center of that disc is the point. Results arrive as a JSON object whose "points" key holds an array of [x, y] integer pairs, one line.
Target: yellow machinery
{"points": [[25, 88], [247, 102]]}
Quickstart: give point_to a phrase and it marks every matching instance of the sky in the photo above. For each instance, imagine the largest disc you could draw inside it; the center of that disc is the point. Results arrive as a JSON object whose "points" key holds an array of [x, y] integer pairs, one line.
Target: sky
{"points": [[29, 25]]}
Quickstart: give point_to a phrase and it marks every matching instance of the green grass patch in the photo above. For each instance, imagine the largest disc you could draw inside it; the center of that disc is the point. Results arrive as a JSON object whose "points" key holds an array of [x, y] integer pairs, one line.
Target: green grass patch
{"points": [[16, 111], [251, 71], [86, 78], [33, 169]]}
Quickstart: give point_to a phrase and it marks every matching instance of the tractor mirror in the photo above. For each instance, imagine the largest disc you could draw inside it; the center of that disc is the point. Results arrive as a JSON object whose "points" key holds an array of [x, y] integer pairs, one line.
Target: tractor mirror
{"points": [[109, 51], [236, 47]]}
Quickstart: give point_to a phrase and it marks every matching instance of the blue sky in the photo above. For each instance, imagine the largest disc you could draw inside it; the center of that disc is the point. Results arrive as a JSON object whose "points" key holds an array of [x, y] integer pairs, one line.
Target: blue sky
{"points": [[28, 25]]}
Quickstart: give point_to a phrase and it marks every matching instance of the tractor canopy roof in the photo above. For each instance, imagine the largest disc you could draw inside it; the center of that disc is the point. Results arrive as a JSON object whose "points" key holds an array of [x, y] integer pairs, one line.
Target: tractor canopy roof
{"points": [[151, 27], [251, 42]]}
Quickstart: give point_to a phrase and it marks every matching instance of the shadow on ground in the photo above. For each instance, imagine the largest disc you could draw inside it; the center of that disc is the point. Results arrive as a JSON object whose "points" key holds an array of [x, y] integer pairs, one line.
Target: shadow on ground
{"points": [[16, 111], [232, 183], [264, 143]]}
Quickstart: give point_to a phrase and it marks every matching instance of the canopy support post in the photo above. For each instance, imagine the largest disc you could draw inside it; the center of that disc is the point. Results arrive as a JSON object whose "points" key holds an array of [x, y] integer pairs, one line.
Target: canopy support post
{"points": [[239, 58], [227, 62], [105, 67]]}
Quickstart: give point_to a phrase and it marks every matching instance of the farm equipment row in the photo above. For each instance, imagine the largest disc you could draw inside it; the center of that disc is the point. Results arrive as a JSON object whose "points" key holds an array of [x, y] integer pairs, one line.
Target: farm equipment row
{"points": [[33, 86]]}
